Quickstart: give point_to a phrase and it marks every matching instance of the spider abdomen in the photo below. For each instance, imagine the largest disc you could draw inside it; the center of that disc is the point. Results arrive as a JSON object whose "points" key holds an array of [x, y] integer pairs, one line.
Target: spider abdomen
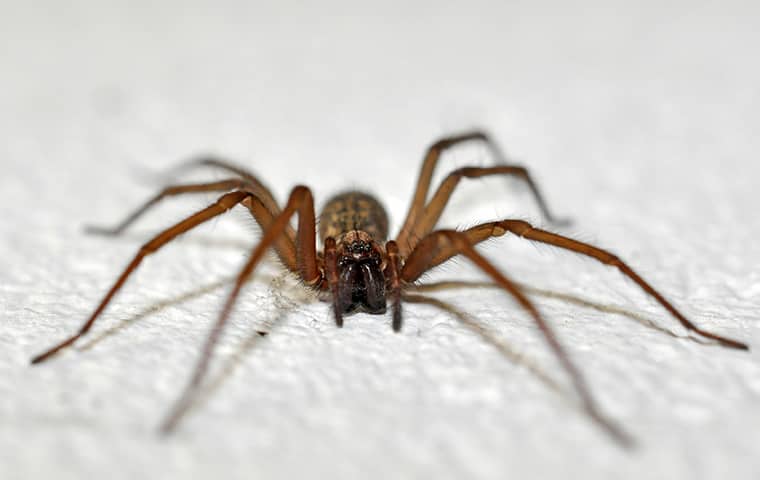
{"points": [[351, 211]]}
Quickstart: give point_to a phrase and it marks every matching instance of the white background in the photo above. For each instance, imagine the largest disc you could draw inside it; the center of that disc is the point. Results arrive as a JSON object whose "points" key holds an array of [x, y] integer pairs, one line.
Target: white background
{"points": [[638, 119]]}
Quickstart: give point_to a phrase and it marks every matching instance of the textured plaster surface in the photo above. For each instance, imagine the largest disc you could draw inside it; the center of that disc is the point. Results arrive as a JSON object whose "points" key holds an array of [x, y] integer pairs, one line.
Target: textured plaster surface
{"points": [[639, 122]]}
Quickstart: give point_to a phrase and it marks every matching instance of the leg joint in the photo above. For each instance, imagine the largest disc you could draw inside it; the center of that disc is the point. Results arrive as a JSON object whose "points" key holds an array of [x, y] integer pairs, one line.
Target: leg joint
{"points": [[465, 172], [300, 192], [518, 227], [447, 142]]}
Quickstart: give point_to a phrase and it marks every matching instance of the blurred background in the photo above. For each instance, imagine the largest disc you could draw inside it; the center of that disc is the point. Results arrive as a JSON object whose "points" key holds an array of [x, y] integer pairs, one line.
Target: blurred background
{"points": [[638, 119]]}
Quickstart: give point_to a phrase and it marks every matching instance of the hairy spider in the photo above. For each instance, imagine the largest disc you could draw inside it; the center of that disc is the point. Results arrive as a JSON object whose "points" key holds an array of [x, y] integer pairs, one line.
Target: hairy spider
{"points": [[359, 268]]}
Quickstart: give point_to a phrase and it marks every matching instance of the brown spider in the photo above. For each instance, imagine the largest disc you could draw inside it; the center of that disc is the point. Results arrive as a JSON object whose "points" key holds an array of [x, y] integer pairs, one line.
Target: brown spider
{"points": [[359, 269]]}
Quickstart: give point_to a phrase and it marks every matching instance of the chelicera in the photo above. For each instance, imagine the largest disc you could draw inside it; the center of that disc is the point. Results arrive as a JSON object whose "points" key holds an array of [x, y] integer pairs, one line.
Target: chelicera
{"points": [[359, 269]]}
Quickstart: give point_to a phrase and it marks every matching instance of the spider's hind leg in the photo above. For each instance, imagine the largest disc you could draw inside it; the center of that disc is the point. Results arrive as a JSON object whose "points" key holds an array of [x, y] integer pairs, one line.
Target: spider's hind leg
{"points": [[423, 214], [170, 191], [433, 210], [244, 180]]}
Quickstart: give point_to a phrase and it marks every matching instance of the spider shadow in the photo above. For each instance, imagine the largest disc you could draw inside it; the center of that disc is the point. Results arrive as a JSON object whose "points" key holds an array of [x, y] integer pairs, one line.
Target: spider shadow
{"points": [[490, 338], [571, 397], [133, 237], [284, 304], [153, 309], [161, 305], [205, 241], [564, 297], [195, 397], [201, 240]]}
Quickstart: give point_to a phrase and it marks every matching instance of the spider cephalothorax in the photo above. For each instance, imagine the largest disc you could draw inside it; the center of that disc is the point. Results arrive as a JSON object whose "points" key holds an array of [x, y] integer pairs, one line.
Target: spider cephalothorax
{"points": [[359, 268]]}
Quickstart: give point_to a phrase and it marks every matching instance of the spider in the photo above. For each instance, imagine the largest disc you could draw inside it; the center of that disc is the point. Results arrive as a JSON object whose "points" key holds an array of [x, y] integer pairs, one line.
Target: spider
{"points": [[359, 269]]}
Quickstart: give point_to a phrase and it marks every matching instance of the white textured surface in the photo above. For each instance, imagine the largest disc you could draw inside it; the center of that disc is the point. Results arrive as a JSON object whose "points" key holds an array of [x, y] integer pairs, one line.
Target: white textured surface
{"points": [[641, 123]]}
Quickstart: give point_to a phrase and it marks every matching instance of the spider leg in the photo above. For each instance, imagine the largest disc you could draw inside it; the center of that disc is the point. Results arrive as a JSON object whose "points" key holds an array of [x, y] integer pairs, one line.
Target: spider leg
{"points": [[524, 229], [428, 248], [262, 191], [301, 202], [432, 156], [170, 191], [261, 211], [222, 205], [332, 276], [284, 245], [394, 280], [426, 175], [433, 210]]}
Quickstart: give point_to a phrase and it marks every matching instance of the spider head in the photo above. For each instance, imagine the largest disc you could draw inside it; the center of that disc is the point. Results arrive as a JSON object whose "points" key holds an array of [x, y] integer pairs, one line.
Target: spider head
{"points": [[361, 285]]}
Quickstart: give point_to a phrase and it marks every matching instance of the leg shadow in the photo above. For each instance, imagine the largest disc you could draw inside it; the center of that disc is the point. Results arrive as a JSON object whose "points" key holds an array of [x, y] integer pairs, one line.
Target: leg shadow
{"points": [[565, 297], [158, 307], [286, 299], [616, 432], [487, 336]]}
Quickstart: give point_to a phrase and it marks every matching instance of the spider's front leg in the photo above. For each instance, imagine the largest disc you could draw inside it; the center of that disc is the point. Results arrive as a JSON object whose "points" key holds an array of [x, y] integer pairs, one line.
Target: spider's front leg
{"points": [[224, 203], [301, 202], [525, 230]]}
